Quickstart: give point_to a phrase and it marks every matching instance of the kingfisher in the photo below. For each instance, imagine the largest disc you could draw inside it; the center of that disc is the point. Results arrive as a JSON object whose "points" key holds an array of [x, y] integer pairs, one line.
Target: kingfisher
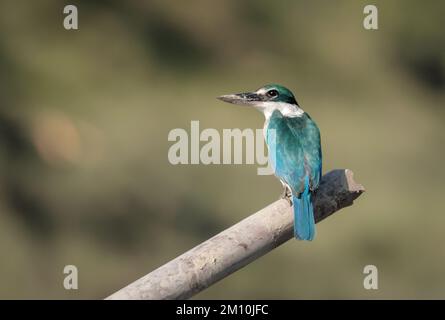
{"points": [[293, 142]]}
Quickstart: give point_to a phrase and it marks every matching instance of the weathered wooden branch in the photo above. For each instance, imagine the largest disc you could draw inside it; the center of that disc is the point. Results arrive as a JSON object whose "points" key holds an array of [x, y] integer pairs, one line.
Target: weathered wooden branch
{"points": [[239, 245]]}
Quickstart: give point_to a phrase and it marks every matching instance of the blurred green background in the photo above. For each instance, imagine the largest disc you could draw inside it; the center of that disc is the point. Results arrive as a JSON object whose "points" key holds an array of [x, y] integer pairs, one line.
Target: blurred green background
{"points": [[84, 119]]}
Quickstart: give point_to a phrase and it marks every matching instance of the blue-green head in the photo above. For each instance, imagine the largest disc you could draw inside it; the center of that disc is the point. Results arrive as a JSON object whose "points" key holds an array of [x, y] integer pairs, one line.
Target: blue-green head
{"points": [[270, 92], [266, 99]]}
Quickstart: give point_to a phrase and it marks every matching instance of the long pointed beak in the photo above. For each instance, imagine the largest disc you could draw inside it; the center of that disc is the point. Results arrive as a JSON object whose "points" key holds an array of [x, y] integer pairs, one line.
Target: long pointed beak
{"points": [[244, 99]]}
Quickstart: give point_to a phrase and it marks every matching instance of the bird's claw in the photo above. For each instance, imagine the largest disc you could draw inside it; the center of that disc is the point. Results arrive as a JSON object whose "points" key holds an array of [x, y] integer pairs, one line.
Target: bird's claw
{"points": [[287, 195]]}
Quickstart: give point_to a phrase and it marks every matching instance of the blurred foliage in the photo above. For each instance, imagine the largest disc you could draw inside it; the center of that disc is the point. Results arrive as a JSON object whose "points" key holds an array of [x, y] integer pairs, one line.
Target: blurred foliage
{"points": [[84, 119]]}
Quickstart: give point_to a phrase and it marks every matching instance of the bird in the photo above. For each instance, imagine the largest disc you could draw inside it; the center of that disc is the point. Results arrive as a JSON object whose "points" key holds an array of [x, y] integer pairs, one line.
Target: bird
{"points": [[294, 148]]}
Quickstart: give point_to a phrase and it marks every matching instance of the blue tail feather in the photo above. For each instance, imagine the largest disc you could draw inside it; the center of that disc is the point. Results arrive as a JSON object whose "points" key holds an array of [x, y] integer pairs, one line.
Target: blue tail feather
{"points": [[304, 224]]}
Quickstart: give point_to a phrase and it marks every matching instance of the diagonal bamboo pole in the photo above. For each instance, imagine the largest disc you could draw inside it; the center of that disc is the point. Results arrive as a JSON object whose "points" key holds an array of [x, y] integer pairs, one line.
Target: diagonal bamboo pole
{"points": [[239, 245]]}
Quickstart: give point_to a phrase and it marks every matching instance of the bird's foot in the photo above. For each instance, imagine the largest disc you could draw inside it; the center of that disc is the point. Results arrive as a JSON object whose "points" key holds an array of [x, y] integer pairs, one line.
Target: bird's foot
{"points": [[287, 195]]}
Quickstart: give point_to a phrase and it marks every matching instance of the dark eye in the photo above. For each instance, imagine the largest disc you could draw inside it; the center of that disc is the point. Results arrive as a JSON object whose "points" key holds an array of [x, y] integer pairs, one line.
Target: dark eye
{"points": [[272, 93]]}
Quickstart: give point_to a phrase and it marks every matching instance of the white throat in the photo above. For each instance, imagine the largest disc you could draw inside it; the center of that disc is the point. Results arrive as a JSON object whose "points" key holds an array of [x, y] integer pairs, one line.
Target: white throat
{"points": [[286, 109]]}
